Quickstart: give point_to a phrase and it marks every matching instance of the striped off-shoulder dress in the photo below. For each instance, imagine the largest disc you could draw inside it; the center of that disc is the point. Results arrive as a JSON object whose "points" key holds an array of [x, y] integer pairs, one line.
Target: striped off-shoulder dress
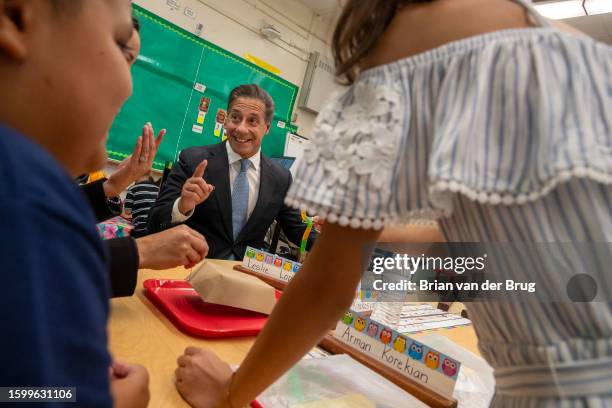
{"points": [[502, 137]]}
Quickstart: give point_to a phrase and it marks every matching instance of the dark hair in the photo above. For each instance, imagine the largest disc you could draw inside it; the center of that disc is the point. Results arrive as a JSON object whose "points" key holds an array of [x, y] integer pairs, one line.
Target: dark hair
{"points": [[254, 92], [359, 28]]}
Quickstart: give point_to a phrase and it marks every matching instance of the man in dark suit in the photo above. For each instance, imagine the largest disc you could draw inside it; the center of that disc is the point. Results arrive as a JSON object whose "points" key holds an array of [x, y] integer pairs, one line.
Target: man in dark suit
{"points": [[230, 192]]}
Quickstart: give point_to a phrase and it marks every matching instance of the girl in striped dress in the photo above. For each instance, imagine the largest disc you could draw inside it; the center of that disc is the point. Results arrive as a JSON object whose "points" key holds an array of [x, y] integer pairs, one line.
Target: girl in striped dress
{"points": [[483, 117]]}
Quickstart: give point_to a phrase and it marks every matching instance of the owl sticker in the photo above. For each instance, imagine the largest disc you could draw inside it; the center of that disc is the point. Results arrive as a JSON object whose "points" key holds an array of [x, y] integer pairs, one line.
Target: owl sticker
{"points": [[416, 351], [372, 330], [360, 324], [348, 318], [250, 253], [259, 257], [269, 259], [278, 262], [296, 267], [385, 336], [399, 344], [287, 266], [449, 367], [432, 360]]}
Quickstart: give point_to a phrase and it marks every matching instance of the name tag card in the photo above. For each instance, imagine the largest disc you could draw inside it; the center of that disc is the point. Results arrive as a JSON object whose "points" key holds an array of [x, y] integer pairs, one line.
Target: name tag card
{"points": [[283, 269], [271, 265], [365, 300], [403, 354]]}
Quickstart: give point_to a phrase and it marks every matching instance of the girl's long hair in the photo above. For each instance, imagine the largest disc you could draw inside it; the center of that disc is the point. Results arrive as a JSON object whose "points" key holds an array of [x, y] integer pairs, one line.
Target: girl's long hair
{"points": [[359, 28]]}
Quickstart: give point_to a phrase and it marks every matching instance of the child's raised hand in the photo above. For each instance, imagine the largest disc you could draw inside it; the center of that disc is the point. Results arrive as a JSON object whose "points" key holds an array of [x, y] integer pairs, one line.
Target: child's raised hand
{"points": [[138, 164], [141, 160], [150, 146]]}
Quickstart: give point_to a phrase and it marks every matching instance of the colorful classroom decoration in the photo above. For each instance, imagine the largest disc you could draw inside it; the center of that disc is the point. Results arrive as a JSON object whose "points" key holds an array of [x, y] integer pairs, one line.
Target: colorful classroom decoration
{"points": [[309, 223], [269, 264], [116, 227], [182, 83], [403, 354]]}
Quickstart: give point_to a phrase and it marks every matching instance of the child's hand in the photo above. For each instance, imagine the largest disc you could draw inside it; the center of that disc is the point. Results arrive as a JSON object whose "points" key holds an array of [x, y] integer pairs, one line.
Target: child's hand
{"points": [[129, 385], [137, 165], [118, 370], [202, 379]]}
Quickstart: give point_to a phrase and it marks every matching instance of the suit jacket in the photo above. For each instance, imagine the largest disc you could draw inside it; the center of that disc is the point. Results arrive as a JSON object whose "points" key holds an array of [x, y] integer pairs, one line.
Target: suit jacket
{"points": [[213, 218], [123, 252]]}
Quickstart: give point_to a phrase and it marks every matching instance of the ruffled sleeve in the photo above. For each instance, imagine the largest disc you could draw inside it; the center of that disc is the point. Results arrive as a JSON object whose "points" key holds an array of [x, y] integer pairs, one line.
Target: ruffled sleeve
{"points": [[531, 110], [502, 119], [347, 173]]}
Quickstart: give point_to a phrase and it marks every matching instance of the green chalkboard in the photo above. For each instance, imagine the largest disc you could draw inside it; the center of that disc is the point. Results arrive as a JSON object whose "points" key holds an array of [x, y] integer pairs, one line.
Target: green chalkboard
{"points": [[172, 65]]}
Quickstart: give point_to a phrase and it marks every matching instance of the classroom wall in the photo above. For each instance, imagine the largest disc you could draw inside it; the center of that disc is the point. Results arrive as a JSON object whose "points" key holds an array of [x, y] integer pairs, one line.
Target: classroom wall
{"points": [[598, 26], [234, 25]]}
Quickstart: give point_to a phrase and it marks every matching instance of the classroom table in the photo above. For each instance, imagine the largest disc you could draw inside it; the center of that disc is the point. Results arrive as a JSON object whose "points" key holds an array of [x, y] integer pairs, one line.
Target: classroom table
{"points": [[140, 333]]}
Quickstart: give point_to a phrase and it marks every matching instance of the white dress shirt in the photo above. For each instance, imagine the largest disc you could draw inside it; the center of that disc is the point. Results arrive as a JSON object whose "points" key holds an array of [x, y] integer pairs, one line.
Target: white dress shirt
{"points": [[253, 177]]}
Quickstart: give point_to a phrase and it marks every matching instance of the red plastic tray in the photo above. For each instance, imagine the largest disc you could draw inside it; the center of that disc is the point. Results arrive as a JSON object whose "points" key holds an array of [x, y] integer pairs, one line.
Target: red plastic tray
{"points": [[186, 309]]}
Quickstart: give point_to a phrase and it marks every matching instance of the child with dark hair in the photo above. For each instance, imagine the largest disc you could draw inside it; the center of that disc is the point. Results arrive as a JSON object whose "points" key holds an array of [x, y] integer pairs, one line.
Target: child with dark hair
{"points": [[139, 199], [64, 74]]}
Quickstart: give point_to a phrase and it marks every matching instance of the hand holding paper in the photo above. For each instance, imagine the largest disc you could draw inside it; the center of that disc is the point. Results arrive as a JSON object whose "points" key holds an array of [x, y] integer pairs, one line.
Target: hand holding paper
{"points": [[176, 246]]}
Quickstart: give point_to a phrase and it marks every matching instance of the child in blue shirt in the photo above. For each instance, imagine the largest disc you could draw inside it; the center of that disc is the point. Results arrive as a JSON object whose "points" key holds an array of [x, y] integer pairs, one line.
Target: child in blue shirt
{"points": [[64, 74]]}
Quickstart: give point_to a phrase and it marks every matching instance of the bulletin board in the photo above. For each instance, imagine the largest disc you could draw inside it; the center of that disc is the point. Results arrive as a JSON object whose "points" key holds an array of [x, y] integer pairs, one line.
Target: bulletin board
{"points": [[177, 77]]}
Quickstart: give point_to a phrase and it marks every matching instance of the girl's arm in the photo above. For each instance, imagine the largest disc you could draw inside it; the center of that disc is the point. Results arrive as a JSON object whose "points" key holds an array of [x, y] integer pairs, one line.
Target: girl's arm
{"points": [[411, 234], [311, 305]]}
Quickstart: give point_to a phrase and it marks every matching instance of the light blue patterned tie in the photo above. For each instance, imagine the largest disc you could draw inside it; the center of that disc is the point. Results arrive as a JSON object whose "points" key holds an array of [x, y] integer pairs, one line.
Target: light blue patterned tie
{"points": [[240, 198]]}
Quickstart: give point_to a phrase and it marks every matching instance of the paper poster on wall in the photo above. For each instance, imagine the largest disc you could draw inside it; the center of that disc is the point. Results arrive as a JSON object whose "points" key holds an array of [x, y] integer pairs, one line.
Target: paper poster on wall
{"points": [[220, 120], [203, 110], [199, 87], [295, 145], [201, 117], [204, 104]]}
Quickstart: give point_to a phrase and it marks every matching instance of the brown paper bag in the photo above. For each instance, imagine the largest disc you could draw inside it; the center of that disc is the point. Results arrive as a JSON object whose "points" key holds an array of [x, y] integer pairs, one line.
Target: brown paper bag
{"points": [[222, 286]]}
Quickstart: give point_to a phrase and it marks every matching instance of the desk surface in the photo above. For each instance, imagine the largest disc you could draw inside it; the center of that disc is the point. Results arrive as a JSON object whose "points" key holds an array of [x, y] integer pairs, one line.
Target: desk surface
{"points": [[139, 333]]}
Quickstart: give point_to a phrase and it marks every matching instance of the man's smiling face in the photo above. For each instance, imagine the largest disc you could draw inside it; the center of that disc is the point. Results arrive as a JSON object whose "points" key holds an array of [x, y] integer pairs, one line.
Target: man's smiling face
{"points": [[246, 126]]}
